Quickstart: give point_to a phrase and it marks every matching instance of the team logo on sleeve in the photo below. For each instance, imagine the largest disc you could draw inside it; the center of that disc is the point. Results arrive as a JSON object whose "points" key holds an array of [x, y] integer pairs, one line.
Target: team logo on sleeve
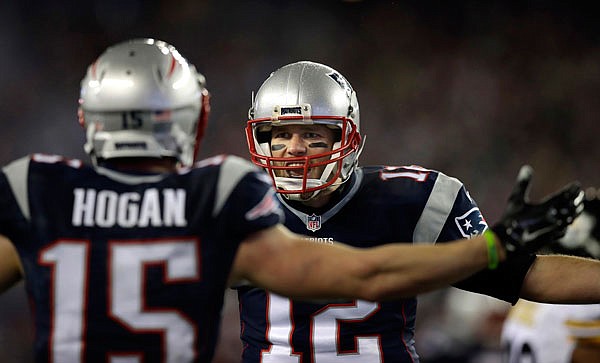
{"points": [[313, 222], [471, 223]]}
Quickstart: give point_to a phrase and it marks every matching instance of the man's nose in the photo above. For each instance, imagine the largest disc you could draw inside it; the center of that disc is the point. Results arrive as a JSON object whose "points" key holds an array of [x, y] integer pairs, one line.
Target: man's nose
{"points": [[296, 146]]}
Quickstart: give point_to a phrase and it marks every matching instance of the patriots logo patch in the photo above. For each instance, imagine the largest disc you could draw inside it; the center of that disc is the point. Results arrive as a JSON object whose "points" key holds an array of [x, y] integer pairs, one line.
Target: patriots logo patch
{"points": [[313, 222], [471, 223]]}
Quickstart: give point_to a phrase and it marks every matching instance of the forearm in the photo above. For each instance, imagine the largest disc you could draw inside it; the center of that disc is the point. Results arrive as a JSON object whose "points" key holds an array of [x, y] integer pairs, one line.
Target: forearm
{"points": [[563, 279], [426, 267], [293, 267], [10, 266], [383, 273]]}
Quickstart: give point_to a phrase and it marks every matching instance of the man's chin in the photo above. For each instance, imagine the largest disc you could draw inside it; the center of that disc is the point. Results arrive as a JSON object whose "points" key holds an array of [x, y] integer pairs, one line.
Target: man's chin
{"points": [[306, 196]]}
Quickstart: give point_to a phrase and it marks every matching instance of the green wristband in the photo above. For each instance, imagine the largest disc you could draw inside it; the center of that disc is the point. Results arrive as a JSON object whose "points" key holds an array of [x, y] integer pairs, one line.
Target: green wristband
{"points": [[491, 249]]}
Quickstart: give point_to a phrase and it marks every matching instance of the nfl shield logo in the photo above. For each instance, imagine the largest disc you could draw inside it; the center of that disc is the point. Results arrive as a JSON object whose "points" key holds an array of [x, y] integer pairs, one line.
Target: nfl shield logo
{"points": [[313, 222]]}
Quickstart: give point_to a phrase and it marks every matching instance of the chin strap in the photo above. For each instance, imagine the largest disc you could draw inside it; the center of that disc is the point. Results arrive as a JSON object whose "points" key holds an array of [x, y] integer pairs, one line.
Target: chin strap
{"points": [[295, 184]]}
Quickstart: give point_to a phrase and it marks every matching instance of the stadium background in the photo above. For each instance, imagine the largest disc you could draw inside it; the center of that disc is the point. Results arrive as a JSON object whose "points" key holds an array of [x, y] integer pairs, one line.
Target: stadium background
{"points": [[472, 88]]}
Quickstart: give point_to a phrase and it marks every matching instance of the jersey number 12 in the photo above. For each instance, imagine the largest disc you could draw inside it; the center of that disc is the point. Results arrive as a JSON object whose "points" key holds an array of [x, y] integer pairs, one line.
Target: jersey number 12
{"points": [[324, 332]]}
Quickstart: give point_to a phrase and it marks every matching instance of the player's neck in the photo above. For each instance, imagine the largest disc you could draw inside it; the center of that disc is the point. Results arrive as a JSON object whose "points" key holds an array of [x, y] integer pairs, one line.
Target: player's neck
{"points": [[322, 201], [143, 165], [318, 201]]}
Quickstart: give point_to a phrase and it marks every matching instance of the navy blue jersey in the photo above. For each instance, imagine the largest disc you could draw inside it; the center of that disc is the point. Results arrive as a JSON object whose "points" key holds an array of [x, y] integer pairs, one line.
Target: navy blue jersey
{"points": [[378, 205], [129, 268]]}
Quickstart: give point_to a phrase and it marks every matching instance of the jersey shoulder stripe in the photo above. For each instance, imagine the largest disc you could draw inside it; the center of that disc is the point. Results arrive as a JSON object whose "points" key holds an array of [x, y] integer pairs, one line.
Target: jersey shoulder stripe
{"points": [[16, 174], [233, 169], [435, 192], [437, 209]]}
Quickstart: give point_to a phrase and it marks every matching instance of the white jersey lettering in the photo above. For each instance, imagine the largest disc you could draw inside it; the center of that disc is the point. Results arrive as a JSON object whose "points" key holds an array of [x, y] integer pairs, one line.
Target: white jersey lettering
{"points": [[107, 208]]}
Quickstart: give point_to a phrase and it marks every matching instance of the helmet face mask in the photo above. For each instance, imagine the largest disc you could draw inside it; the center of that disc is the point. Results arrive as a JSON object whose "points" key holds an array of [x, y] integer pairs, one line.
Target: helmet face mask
{"points": [[305, 93], [141, 98]]}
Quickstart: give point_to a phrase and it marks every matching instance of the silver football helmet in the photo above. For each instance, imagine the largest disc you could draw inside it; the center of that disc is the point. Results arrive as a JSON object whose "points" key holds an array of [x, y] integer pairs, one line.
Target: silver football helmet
{"points": [[305, 93], [141, 98]]}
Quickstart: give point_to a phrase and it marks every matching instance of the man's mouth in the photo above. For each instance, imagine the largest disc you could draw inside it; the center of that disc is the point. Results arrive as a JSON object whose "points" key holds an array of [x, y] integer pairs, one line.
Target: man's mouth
{"points": [[294, 172]]}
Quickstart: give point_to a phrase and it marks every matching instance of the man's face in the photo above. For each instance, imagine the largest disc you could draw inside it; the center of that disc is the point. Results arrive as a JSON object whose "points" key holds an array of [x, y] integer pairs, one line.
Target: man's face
{"points": [[301, 140]]}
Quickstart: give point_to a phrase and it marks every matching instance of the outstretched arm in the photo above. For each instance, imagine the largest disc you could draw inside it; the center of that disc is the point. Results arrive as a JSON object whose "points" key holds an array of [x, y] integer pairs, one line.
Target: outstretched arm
{"points": [[285, 263], [11, 270], [563, 280]]}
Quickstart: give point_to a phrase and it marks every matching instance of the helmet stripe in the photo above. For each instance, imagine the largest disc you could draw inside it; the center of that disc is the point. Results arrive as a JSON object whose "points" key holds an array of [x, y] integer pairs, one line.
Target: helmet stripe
{"points": [[172, 67]]}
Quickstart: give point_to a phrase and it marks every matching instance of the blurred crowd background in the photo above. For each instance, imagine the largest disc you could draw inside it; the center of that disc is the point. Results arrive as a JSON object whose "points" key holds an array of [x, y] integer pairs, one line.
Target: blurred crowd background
{"points": [[472, 88]]}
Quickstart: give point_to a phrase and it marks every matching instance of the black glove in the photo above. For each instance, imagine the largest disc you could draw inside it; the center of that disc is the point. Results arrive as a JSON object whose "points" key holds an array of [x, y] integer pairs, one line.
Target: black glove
{"points": [[528, 227]]}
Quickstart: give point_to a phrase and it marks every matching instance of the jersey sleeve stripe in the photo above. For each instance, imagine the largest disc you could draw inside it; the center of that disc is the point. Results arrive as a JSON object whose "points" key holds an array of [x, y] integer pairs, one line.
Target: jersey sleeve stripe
{"points": [[437, 209], [584, 329]]}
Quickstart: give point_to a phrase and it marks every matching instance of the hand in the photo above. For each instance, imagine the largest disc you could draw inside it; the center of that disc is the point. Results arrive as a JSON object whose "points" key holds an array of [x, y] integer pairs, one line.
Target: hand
{"points": [[527, 226]]}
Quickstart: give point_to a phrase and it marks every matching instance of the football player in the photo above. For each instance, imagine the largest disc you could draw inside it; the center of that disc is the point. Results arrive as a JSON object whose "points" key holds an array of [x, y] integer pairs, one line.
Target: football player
{"points": [[304, 130], [548, 333], [126, 260]]}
